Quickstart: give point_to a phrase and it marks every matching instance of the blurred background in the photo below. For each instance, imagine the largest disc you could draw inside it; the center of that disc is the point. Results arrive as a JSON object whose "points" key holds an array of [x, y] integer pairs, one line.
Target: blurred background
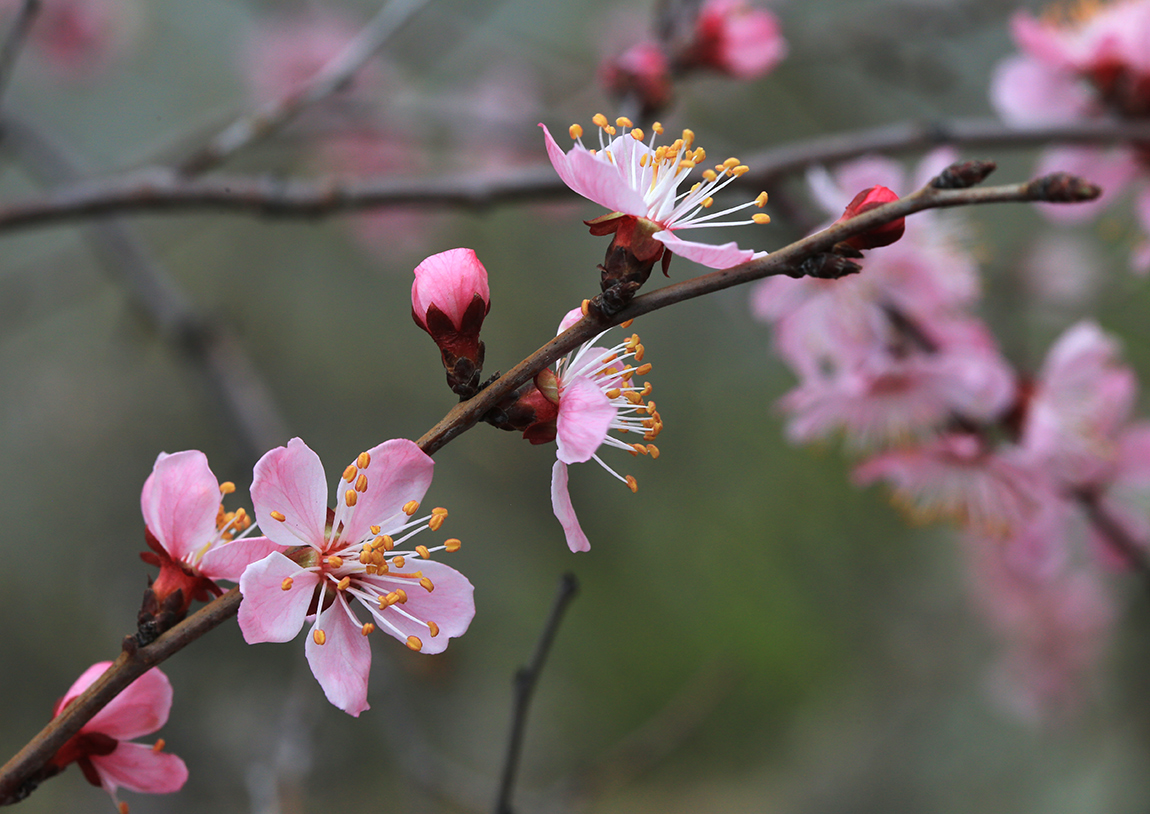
{"points": [[753, 632]]}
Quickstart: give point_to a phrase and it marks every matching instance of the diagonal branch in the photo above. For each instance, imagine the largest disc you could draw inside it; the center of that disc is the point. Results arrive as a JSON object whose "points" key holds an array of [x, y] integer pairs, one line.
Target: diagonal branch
{"points": [[14, 42]]}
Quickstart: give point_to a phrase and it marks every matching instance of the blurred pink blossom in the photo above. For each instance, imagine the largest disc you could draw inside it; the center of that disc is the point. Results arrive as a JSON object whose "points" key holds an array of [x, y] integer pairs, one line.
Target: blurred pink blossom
{"points": [[348, 556], [101, 748], [76, 39], [735, 38], [642, 71]]}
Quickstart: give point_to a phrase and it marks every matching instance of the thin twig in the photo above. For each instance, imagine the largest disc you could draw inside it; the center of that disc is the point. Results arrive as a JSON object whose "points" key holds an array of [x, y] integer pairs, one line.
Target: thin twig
{"points": [[246, 401], [330, 78], [525, 680], [165, 191], [1115, 536], [14, 42]]}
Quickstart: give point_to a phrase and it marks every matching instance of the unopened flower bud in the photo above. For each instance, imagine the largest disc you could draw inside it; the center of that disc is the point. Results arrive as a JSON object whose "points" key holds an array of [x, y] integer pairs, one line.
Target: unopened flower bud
{"points": [[449, 300], [643, 72], [735, 38], [883, 235]]}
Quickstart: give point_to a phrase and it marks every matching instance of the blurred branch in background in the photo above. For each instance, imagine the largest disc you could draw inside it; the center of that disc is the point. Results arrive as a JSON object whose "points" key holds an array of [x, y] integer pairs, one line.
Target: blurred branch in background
{"points": [[14, 42]]}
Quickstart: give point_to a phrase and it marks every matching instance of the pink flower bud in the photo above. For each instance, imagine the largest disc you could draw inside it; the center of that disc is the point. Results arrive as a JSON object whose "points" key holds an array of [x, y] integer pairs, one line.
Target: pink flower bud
{"points": [[449, 300], [643, 71], [735, 38], [883, 235]]}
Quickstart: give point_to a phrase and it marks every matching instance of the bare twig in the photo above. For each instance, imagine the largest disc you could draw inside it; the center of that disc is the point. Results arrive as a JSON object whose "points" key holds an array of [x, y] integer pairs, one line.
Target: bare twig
{"points": [[246, 402], [334, 75], [1114, 535], [525, 680], [14, 42], [160, 190]]}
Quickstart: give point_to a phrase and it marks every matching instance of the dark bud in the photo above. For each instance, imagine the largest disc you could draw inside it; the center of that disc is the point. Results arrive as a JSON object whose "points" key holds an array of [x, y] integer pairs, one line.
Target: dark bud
{"points": [[825, 266], [1062, 187], [963, 174]]}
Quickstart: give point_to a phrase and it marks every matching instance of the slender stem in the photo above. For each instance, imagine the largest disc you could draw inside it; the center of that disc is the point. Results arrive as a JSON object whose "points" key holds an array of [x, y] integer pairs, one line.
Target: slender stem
{"points": [[1115, 536], [526, 678], [266, 120], [167, 191], [14, 42]]}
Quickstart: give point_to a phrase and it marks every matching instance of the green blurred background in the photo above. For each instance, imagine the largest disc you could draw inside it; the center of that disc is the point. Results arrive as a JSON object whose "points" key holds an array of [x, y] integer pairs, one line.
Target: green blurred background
{"points": [[753, 633]]}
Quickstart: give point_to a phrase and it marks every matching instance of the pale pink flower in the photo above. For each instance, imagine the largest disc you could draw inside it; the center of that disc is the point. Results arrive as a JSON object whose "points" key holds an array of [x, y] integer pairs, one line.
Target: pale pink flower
{"points": [[641, 181], [101, 748], [77, 38], [595, 391], [957, 476], [349, 556], [736, 38], [1082, 399]]}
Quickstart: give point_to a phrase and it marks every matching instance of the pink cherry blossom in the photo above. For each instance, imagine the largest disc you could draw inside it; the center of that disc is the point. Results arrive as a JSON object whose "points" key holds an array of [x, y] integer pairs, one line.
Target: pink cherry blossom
{"points": [[736, 38], [641, 181], [193, 540], [349, 556], [595, 392], [642, 70], [101, 747]]}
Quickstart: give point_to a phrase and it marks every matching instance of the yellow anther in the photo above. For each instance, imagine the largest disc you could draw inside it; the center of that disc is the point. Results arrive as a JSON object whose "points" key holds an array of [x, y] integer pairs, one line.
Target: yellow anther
{"points": [[657, 127], [632, 483], [436, 521], [638, 449], [388, 543], [651, 410], [397, 562], [742, 169], [227, 487], [642, 370], [709, 175], [367, 628], [646, 391], [643, 160], [159, 745], [422, 551], [761, 201], [575, 131], [365, 556], [730, 163], [361, 483], [700, 155], [434, 628], [343, 583], [349, 498], [370, 569], [675, 147], [592, 152], [278, 516], [319, 637], [400, 595], [411, 507], [584, 307], [452, 545], [389, 599], [686, 164], [623, 121], [439, 510], [414, 643], [427, 584], [334, 561], [761, 218], [613, 393], [688, 137], [637, 134], [695, 186], [640, 352], [375, 529], [286, 584], [349, 473], [708, 202], [599, 119], [122, 807], [610, 130], [632, 397], [654, 450]]}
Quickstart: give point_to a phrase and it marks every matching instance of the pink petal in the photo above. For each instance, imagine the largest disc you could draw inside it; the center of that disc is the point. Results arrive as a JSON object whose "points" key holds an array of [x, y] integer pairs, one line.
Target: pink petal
{"points": [[449, 280], [342, 663], [140, 709], [268, 613], [585, 415], [228, 561], [290, 480], [573, 316], [450, 604], [1025, 91], [705, 254], [594, 178], [399, 471], [82, 683], [564, 511], [137, 767], [179, 502]]}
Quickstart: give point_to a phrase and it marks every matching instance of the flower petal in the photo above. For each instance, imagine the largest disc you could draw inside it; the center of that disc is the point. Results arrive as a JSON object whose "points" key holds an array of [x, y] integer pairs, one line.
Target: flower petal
{"points": [[596, 179], [290, 480], [342, 663], [179, 502], [268, 613], [82, 683], [228, 561], [140, 709], [137, 767], [705, 254], [1025, 91], [449, 280], [399, 471], [450, 604], [585, 415], [564, 511]]}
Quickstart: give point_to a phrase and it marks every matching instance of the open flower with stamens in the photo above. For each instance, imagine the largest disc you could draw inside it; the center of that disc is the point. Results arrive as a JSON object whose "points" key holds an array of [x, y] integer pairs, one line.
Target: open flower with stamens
{"points": [[595, 391], [193, 540], [354, 555], [639, 182]]}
